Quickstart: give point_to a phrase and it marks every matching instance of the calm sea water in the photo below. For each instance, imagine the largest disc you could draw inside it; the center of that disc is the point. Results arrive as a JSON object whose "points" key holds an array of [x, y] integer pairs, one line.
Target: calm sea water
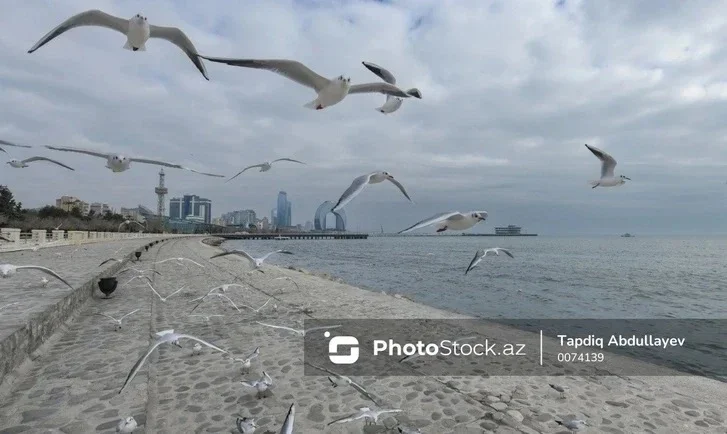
{"points": [[598, 277]]}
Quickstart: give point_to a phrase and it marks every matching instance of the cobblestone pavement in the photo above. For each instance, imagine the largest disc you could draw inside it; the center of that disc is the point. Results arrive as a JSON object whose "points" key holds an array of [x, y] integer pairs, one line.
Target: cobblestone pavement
{"points": [[73, 383]]}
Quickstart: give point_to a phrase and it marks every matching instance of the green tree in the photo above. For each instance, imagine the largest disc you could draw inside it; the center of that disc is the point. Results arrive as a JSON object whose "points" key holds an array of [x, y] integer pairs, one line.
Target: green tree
{"points": [[76, 212], [8, 206], [51, 212]]}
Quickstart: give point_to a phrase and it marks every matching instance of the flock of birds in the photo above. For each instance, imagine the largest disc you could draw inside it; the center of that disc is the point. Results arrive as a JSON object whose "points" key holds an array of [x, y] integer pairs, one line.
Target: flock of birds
{"points": [[329, 91]]}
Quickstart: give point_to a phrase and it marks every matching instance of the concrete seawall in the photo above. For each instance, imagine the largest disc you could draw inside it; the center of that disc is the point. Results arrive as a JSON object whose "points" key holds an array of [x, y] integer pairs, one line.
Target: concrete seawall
{"points": [[73, 384]]}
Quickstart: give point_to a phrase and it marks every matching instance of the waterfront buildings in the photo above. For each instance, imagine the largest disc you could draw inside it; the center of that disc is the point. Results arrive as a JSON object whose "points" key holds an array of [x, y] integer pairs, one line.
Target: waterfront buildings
{"points": [[190, 207], [284, 212], [244, 217]]}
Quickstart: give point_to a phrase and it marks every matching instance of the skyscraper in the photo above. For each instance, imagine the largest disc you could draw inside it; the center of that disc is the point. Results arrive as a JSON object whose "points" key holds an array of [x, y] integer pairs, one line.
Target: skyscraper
{"points": [[190, 205], [283, 217]]}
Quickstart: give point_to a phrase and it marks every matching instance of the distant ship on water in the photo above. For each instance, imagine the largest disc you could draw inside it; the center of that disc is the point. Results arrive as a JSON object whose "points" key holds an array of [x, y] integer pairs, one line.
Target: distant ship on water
{"points": [[505, 231], [627, 235]]}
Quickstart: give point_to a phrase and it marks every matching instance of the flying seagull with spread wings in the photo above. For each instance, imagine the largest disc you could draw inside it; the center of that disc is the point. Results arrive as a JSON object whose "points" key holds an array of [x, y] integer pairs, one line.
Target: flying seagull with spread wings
{"points": [[392, 103], [264, 167], [358, 185], [137, 30]]}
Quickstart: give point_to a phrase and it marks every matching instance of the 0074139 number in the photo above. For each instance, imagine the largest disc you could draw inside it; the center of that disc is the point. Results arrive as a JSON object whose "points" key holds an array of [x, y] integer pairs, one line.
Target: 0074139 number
{"points": [[580, 357]]}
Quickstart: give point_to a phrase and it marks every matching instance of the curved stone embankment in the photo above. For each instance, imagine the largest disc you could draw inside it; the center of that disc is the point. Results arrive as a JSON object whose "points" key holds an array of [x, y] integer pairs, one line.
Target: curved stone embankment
{"points": [[74, 385]]}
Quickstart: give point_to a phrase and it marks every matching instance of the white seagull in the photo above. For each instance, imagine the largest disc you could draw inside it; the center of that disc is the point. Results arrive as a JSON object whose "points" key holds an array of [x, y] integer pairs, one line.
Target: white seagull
{"points": [[264, 167], [128, 222], [482, 253], [247, 361], [118, 321], [261, 385], [256, 262], [9, 270], [246, 425], [608, 164], [257, 310], [44, 282], [164, 299], [573, 425], [392, 103], [300, 332], [110, 260], [330, 91], [120, 163], [369, 416], [359, 388], [289, 421], [136, 29], [166, 336], [222, 288], [217, 294], [127, 425], [20, 164], [358, 185], [197, 349], [453, 220]]}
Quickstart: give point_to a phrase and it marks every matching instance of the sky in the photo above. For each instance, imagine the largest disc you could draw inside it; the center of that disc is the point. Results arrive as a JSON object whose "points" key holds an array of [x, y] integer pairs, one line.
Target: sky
{"points": [[512, 90]]}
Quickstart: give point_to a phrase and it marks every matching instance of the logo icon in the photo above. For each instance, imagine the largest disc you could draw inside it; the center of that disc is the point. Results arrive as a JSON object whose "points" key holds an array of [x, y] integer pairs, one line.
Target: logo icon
{"points": [[342, 359]]}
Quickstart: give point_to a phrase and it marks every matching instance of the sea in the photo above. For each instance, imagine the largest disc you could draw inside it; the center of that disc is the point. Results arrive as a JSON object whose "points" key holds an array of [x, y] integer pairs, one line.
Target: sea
{"points": [[597, 277]]}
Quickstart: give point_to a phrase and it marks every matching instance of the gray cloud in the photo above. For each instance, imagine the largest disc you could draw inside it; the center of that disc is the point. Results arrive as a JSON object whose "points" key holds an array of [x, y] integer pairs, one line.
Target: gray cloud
{"points": [[511, 93]]}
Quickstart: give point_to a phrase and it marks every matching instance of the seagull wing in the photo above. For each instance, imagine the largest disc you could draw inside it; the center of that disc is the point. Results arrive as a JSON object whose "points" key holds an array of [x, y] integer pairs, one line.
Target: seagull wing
{"points": [[378, 87], [505, 251], [235, 252], [254, 354], [252, 383], [276, 251], [476, 260], [356, 187], [360, 389], [31, 159], [267, 379], [608, 164], [109, 260], [431, 220], [154, 290], [290, 69], [350, 418], [139, 363], [391, 105], [109, 317], [228, 299], [383, 73], [78, 150], [287, 427], [278, 327], [4, 142], [172, 165], [400, 187], [45, 270], [240, 172], [178, 38], [93, 17], [287, 159], [134, 311], [195, 263]]}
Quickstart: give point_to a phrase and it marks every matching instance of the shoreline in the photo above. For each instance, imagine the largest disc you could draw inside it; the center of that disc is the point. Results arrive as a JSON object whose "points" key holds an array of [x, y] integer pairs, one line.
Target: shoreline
{"points": [[82, 368]]}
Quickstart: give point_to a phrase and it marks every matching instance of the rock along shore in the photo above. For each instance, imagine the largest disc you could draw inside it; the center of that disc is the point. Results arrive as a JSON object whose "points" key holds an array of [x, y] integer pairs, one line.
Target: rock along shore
{"points": [[72, 382]]}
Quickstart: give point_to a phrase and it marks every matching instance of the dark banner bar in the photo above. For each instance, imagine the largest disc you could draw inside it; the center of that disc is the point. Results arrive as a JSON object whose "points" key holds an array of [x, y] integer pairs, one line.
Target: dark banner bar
{"points": [[582, 347]]}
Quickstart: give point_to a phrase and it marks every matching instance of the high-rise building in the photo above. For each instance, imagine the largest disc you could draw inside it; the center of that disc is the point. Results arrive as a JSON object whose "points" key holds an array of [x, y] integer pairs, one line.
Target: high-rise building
{"points": [[244, 217], [190, 207], [283, 218]]}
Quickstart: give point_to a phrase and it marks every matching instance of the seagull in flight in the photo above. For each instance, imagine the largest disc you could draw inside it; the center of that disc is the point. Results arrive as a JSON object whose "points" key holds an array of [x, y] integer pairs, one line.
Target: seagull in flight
{"points": [[608, 164], [262, 385], [453, 220], [6, 143], [217, 294], [246, 425], [222, 288], [392, 103], [329, 91], [259, 308], [256, 262], [290, 279], [358, 185], [359, 388], [180, 261], [9, 270], [300, 332], [289, 421], [118, 321], [164, 299], [370, 416], [136, 29], [482, 253], [20, 164], [111, 260], [247, 361], [166, 336], [119, 163], [264, 167], [128, 222]]}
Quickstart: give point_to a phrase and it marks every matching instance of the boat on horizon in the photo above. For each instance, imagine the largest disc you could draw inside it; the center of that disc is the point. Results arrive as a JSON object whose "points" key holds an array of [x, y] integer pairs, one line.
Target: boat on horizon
{"points": [[627, 235]]}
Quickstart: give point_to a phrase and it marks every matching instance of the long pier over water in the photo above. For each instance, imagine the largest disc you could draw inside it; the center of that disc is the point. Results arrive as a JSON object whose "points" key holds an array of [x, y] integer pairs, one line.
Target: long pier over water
{"points": [[296, 236]]}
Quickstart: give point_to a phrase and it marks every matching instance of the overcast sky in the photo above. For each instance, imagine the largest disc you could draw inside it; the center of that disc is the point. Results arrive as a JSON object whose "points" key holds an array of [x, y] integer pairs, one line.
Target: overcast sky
{"points": [[512, 90]]}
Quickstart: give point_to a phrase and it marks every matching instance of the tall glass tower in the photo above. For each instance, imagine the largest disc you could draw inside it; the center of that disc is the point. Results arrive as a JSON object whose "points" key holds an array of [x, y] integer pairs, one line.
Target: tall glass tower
{"points": [[283, 210]]}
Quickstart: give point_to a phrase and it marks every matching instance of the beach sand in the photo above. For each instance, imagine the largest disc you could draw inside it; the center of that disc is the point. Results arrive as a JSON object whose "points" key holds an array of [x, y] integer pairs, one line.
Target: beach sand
{"points": [[72, 382]]}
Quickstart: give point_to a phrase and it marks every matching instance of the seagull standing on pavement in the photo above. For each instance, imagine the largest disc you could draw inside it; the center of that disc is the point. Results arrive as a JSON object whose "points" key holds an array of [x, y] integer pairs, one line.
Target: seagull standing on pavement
{"points": [[262, 385]]}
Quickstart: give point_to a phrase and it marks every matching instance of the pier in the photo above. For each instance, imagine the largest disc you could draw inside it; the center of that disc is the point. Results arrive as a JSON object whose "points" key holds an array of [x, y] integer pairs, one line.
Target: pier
{"points": [[296, 236]]}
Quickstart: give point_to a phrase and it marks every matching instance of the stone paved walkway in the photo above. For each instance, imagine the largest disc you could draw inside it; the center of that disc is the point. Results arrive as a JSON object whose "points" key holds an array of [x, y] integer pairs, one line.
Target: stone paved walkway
{"points": [[72, 385]]}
